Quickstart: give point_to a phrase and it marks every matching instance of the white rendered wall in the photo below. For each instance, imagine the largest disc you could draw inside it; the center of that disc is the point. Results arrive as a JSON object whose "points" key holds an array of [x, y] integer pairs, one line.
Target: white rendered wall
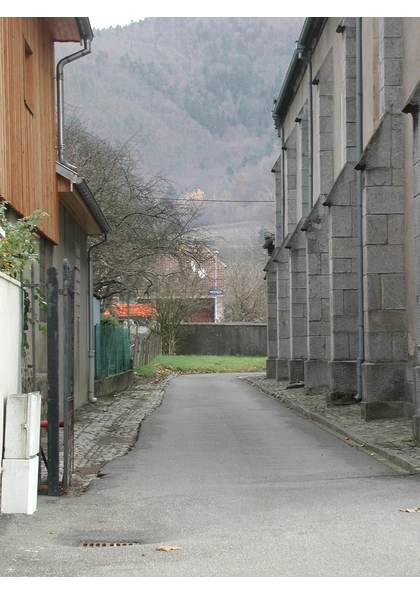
{"points": [[10, 341]]}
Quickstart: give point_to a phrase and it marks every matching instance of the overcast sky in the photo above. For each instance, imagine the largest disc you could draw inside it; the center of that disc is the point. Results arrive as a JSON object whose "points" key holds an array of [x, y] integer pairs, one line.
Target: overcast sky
{"points": [[124, 11], [121, 13], [103, 15]]}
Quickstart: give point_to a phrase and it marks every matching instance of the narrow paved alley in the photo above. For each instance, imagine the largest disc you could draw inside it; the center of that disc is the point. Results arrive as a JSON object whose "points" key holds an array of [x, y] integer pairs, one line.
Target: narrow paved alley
{"points": [[229, 483]]}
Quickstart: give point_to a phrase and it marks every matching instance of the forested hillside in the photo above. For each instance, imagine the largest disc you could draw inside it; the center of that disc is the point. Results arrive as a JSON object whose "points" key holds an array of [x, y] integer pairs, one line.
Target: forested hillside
{"points": [[196, 94]]}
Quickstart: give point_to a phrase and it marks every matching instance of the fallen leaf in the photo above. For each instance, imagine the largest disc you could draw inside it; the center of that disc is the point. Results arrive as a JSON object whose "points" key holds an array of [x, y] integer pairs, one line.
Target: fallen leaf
{"points": [[412, 510], [167, 548]]}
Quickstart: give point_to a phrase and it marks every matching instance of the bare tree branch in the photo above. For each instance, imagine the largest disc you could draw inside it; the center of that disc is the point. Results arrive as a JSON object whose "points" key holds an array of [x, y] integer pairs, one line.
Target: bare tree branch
{"points": [[147, 220]]}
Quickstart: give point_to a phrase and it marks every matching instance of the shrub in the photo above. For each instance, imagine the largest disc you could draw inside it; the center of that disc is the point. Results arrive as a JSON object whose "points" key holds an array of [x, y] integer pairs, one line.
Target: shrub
{"points": [[18, 241]]}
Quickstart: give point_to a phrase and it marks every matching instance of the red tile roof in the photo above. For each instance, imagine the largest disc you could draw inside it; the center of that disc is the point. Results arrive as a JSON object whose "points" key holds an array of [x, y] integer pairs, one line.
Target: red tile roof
{"points": [[137, 310]]}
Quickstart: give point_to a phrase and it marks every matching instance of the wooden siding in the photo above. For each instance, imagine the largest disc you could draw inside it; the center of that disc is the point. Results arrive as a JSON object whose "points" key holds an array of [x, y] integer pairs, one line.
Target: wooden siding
{"points": [[27, 145]]}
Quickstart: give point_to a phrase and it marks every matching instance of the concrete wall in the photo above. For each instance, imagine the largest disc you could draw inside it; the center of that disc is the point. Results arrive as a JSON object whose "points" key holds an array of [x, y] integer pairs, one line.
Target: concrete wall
{"points": [[113, 384], [223, 339], [271, 280]]}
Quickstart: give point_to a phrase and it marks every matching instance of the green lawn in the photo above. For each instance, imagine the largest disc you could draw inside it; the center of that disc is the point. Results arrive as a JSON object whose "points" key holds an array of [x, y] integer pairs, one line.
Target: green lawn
{"points": [[201, 364]]}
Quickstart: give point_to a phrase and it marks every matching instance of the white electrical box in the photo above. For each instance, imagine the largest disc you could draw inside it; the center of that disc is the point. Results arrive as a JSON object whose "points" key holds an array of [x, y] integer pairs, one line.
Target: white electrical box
{"points": [[19, 486], [22, 426]]}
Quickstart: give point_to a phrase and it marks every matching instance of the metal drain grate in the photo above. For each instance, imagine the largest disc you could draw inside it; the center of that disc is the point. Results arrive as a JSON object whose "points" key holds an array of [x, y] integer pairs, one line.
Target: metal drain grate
{"points": [[97, 545]]}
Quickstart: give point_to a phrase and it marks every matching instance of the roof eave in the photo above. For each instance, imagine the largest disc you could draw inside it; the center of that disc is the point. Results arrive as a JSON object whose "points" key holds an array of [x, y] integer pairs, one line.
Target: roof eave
{"points": [[311, 31], [86, 195], [70, 29], [93, 206]]}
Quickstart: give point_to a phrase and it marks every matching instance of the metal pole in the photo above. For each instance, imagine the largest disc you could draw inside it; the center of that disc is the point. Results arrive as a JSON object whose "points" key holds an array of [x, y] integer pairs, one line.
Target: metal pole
{"points": [[215, 286], [53, 384], [68, 367], [282, 193], [33, 329], [310, 143], [22, 337], [359, 148]]}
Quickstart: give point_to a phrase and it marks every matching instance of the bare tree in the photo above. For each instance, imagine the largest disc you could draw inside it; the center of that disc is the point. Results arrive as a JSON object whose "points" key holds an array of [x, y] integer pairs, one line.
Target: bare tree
{"points": [[178, 294], [245, 299], [146, 216]]}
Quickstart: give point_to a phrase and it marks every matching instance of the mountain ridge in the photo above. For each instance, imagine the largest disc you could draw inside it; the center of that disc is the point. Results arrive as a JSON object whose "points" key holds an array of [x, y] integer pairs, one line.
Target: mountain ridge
{"points": [[196, 94]]}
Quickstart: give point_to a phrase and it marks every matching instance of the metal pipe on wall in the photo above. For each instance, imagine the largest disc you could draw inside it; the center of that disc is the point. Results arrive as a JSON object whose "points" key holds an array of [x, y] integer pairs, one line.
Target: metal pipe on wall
{"points": [[301, 50], [60, 99], [310, 142], [359, 190], [282, 195]]}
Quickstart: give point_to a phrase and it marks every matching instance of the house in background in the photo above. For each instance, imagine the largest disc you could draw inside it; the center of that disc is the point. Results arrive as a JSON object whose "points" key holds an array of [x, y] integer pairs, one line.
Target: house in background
{"points": [[34, 173], [343, 281], [137, 313], [201, 277]]}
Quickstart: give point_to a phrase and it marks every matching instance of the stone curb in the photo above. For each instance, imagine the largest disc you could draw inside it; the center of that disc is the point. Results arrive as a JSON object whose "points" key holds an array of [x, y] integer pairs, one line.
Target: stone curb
{"points": [[393, 459]]}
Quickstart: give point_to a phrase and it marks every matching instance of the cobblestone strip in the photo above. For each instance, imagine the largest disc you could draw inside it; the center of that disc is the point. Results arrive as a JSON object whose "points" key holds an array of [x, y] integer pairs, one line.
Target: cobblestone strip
{"points": [[109, 428]]}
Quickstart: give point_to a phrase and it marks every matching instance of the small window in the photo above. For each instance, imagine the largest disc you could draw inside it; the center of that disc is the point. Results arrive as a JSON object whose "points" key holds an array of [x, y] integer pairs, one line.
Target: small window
{"points": [[29, 78]]}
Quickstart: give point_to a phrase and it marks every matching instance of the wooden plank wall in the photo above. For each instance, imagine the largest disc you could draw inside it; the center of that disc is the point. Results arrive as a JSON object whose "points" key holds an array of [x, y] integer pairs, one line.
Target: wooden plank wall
{"points": [[27, 141]]}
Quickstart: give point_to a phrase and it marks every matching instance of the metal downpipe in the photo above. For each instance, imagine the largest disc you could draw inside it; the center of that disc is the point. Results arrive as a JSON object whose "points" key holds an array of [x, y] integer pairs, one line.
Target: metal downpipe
{"points": [[282, 230], [60, 100], [310, 134], [308, 61], [359, 189]]}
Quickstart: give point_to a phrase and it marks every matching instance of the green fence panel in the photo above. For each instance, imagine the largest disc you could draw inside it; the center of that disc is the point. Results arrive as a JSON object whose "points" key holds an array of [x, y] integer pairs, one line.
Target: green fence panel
{"points": [[112, 350]]}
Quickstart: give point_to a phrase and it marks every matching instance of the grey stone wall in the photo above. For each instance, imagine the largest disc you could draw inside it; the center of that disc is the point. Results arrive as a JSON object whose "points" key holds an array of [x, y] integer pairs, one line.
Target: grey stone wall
{"points": [[113, 384], [271, 281], [384, 369], [318, 310], [281, 257], [290, 182], [343, 284], [298, 306], [325, 142], [223, 339], [317, 282]]}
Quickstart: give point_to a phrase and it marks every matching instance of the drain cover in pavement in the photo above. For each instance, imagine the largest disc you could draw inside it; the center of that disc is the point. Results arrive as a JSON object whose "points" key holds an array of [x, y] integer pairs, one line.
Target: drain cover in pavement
{"points": [[100, 544]]}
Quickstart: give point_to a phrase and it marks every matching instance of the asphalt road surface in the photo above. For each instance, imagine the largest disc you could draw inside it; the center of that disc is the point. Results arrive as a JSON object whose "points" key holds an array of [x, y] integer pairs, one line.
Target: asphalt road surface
{"points": [[233, 485]]}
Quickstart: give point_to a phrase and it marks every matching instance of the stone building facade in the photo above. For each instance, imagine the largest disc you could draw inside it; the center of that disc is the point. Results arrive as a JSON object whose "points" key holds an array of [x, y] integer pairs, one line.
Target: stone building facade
{"points": [[343, 279]]}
